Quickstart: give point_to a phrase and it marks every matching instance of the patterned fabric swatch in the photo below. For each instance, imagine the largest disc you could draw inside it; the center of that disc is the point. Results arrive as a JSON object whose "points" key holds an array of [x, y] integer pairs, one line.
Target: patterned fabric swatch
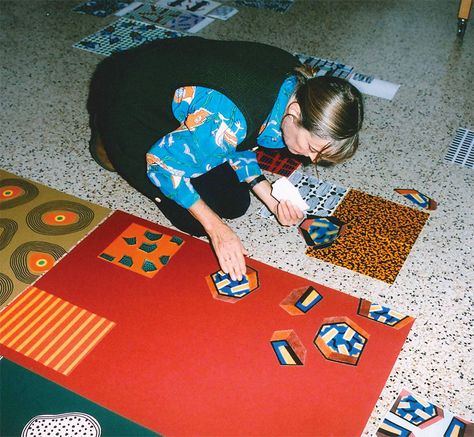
{"points": [[322, 197], [461, 150], [378, 238], [274, 5], [51, 330], [201, 7], [170, 18], [123, 34], [411, 415], [141, 250], [325, 67], [101, 8], [38, 225], [277, 161]]}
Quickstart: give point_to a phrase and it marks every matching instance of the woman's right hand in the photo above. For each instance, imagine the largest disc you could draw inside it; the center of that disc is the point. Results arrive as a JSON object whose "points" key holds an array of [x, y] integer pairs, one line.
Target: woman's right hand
{"points": [[229, 250], [288, 214]]}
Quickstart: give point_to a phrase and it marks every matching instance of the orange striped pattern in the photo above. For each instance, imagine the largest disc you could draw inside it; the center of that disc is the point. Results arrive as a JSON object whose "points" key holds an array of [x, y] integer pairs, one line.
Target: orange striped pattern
{"points": [[51, 330]]}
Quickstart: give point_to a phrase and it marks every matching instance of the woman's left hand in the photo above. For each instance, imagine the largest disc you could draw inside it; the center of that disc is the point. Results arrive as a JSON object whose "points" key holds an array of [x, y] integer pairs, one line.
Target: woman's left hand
{"points": [[288, 214]]}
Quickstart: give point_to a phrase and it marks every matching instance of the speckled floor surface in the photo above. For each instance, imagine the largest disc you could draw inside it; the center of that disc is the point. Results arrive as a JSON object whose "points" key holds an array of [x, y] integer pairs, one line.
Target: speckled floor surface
{"points": [[44, 135]]}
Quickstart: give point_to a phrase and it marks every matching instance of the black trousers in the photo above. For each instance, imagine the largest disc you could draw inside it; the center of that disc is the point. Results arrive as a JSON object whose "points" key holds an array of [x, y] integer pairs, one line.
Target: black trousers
{"points": [[220, 189]]}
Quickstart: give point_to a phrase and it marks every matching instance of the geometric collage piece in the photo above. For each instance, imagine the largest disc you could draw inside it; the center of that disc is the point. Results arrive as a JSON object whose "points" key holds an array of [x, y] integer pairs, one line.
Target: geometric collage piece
{"points": [[301, 300], [50, 330], [101, 8], [342, 340], [411, 415], [141, 250], [325, 67], [378, 237], [169, 18], [419, 199], [223, 288], [320, 232], [461, 150], [38, 225], [274, 5], [322, 197], [416, 410], [383, 314], [123, 34], [288, 348]]}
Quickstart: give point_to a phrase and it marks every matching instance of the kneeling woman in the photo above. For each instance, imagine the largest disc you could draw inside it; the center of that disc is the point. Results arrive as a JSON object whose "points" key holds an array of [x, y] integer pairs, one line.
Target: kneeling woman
{"points": [[177, 119]]}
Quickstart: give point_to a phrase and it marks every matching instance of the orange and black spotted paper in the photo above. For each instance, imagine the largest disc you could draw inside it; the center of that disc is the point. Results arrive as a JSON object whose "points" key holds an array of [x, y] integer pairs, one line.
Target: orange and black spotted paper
{"points": [[378, 238]]}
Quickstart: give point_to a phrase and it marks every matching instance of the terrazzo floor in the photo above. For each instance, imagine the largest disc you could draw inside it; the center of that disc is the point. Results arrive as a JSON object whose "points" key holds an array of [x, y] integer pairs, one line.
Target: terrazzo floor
{"points": [[44, 137]]}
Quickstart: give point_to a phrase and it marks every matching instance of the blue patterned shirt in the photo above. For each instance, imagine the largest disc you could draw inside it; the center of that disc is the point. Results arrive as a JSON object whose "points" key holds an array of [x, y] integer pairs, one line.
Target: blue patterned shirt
{"points": [[210, 130]]}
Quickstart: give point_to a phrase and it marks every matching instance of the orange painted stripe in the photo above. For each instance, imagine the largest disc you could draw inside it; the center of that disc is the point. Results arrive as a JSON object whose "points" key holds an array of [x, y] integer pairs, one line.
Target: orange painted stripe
{"points": [[16, 303], [49, 331], [25, 320], [40, 329], [9, 311], [68, 341], [101, 335], [52, 331], [90, 332], [59, 337], [31, 324]]}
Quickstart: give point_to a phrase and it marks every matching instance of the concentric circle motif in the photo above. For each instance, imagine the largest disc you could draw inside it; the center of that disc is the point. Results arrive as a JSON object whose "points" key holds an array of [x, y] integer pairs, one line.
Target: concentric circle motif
{"points": [[31, 259], [59, 217], [8, 229], [6, 288], [14, 192]]}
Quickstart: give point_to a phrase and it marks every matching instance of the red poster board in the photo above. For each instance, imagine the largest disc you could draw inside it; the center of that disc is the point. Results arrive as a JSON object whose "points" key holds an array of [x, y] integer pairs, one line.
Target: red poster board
{"points": [[180, 362]]}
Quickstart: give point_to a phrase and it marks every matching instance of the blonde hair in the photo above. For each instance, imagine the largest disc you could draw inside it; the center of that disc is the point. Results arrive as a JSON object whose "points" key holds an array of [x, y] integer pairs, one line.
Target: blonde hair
{"points": [[331, 108]]}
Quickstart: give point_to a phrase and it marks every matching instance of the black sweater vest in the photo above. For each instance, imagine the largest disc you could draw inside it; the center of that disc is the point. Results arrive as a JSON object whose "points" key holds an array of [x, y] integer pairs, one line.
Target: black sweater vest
{"points": [[132, 91]]}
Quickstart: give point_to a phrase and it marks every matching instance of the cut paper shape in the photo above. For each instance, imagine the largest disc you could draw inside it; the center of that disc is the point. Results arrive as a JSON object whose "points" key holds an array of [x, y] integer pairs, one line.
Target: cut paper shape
{"points": [[340, 339], [201, 7], [277, 161], [223, 12], [141, 250], [461, 149], [378, 237], [224, 288], [301, 300], [322, 197], [274, 5], [288, 348], [325, 67], [374, 87], [192, 352], [50, 330], [320, 232], [416, 410], [170, 18], [123, 34], [383, 314], [419, 199], [283, 189], [62, 424], [101, 8], [391, 429], [411, 415]]}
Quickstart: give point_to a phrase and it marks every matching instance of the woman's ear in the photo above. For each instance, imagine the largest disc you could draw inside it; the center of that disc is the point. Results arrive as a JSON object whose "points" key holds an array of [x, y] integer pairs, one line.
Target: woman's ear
{"points": [[294, 109]]}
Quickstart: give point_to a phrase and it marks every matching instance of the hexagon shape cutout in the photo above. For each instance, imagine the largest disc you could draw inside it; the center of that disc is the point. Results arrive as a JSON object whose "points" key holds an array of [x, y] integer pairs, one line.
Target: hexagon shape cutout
{"points": [[288, 348], [321, 232], [416, 410], [301, 300], [223, 288], [342, 340]]}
